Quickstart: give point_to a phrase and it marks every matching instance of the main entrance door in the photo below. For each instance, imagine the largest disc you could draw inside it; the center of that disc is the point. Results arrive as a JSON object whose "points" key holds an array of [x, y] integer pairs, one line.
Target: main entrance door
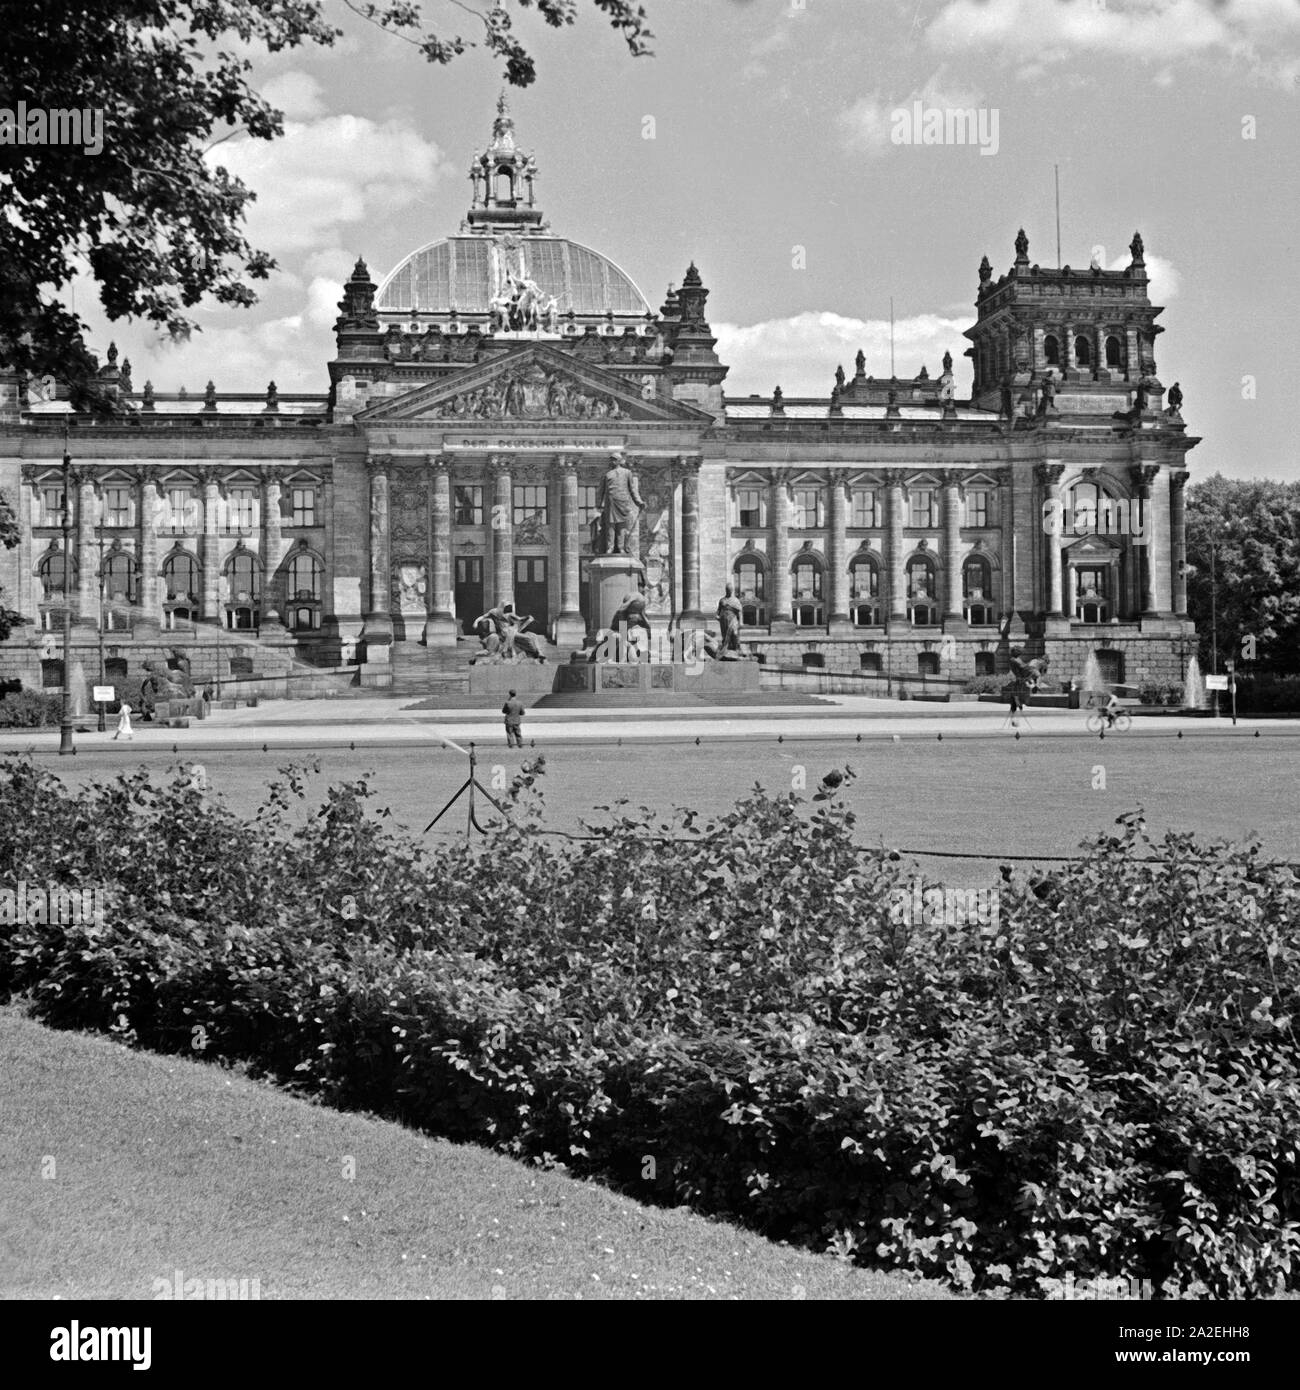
{"points": [[532, 592], [469, 590]]}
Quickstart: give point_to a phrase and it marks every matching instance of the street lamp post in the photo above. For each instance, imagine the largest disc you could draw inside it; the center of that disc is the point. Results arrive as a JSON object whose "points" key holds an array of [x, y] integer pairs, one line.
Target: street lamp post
{"points": [[102, 680], [65, 715], [1214, 616]]}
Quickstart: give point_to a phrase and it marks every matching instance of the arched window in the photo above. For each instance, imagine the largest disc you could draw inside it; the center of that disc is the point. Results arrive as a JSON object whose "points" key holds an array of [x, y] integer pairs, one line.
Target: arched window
{"points": [[182, 576], [119, 578], [1051, 350], [305, 575], [55, 573], [927, 663], [921, 604], [1083, 352], [864, 592], [806, 608], [985, 664], [750, 580], [1114, 352], [977, 592], [505, 186], [245, 577]]}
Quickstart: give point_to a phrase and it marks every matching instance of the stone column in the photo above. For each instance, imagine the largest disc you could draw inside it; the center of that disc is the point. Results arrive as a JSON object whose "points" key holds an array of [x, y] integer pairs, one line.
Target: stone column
{"points": [[635, 535], [503, 530], [1178, 541], [838, 550], [150, 601], [440, 626], [951, 502], [87, 609], [690, 471], [210, 550], [378, 631], [1071, 592], [780, 614], [897, 599], [570, 630], [1049, 477], [272, 546], [1142, 476]]}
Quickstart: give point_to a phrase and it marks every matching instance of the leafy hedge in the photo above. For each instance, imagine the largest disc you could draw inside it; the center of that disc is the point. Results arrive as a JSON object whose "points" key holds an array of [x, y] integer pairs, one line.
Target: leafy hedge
{"points": [[1161, 693], [1101, 1082], [30, 709], [1265, 695]]}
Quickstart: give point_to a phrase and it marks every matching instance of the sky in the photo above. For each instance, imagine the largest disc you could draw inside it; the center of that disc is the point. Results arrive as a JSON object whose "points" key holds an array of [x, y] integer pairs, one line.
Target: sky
{"points": [[761, 141]]}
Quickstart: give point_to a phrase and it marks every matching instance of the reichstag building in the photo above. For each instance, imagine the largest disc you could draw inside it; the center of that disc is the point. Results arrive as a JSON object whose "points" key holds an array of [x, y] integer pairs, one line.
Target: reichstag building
{"points": [[476, 396]]}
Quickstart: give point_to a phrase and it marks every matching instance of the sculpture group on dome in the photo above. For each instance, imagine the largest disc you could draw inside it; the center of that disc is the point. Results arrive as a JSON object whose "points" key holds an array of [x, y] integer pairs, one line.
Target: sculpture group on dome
{"points": [[522, 307]]}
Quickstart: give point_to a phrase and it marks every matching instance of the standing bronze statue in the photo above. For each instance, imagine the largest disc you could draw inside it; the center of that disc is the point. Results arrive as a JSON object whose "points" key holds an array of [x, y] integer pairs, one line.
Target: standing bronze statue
{"points": [[620, 503], [730, 616]]}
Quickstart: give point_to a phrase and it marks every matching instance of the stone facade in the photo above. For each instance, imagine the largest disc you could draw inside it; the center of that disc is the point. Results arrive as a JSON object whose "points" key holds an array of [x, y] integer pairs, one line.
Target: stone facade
{"points": [[475, 399]]}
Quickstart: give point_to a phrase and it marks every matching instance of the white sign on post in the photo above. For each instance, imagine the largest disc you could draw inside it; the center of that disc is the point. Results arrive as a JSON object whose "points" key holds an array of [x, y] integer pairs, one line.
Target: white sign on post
{"points": [[1216, 682], [103, 694]]}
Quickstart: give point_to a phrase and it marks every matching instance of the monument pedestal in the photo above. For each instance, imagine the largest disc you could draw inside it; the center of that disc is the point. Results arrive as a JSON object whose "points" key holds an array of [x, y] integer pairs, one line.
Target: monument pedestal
{"points": [[613, 578]]}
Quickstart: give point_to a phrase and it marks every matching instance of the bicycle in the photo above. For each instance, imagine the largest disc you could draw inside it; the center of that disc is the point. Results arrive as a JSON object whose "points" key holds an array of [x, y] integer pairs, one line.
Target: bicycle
{"points": [[1100, 722]]}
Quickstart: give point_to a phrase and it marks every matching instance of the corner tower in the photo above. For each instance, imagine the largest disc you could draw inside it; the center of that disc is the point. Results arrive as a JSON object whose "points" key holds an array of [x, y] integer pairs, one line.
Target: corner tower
{"points": [[1094, 329]]}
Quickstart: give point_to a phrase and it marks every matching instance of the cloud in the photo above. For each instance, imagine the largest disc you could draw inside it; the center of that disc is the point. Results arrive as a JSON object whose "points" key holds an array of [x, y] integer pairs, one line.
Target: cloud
{"points": [[1261, 35], [866, 125], [329, 173], [297, 94], [800, 353]]}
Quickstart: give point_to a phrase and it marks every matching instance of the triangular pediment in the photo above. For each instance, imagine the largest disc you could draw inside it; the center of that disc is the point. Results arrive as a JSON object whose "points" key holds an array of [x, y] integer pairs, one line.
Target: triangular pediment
{"points": [[536, 383]]}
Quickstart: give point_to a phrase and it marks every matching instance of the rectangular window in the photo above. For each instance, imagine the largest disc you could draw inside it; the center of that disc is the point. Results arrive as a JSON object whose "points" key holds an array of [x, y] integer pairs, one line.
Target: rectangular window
{"points": [[530, 503], [302, 501], [117, 506], [241, 509], [808, 508], [588, 504], [749, 507], [182, 511], [866, 509], [922, 507], [51, 506], [467, 505], [977, 508]]}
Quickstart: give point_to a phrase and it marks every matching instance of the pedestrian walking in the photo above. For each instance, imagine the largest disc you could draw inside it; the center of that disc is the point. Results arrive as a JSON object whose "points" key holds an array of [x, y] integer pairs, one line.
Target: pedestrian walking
{"points": [[123, 729], [514, 713]]}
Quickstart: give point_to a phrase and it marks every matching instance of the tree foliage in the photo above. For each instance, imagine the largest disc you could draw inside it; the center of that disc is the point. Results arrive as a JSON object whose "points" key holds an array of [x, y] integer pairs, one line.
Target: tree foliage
{"points": [[155, 220], [1253, 526], [1099, 1080], [10, 535]]}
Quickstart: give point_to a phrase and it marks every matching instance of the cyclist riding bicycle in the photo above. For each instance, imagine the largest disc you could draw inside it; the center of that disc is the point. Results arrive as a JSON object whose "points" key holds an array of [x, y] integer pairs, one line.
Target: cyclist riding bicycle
{"points": [[1111, 709]]}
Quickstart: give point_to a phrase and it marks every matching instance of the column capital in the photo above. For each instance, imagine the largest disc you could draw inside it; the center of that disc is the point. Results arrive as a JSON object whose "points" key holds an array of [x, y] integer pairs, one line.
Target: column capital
{"points": [[688, 463], [1178, 479], [952, 477], [272, 474], [30, 473], [208, 477], [500, 465], [1049, 474], [439, 463], [379, 464], [566, 464], [1142, 475]]}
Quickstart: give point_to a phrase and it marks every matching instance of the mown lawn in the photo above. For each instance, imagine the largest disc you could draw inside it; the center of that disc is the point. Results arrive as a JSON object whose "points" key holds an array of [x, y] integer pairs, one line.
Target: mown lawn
{"points": [[118, 1168]]}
